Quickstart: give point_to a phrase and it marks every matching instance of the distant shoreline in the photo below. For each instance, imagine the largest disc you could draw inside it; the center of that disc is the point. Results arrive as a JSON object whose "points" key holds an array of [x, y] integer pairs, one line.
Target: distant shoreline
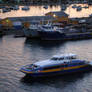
{"points": [[22, 4], [34, 3], [46, 3]]}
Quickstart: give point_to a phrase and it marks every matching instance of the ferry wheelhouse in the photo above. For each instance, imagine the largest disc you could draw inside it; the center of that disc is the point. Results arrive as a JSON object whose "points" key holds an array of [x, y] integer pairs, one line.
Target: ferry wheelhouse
{"points": [[66, 63]]}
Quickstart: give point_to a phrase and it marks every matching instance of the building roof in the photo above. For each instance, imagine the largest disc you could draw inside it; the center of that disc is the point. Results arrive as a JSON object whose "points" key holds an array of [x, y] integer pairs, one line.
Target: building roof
{"points": [[59, 13], [31, 18]]}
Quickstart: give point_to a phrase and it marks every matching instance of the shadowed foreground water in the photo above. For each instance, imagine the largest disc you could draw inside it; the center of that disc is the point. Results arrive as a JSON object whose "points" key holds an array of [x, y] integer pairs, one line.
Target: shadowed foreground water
{"points": [[15, 52]]}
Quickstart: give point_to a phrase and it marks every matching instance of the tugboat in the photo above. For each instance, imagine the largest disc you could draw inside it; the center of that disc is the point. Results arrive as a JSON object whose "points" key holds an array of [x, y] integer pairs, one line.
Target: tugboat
{"points": [[63, 64], [25, 8]]}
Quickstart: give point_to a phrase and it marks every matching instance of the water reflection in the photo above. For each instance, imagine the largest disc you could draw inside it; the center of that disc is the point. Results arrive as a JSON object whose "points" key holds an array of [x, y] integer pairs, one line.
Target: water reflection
{"points": [[34, 11], [16, 52], [40, 11], [40, 50], [41, 43], [60, 81], [43, 49]]}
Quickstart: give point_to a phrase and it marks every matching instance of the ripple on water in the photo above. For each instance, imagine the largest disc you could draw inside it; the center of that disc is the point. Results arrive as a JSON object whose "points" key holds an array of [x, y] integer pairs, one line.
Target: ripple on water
{"points": [[15, 52]]}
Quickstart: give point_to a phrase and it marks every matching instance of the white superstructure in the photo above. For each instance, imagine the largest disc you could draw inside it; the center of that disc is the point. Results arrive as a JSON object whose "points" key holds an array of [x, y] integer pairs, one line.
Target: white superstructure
{"points": [[56, 60]]}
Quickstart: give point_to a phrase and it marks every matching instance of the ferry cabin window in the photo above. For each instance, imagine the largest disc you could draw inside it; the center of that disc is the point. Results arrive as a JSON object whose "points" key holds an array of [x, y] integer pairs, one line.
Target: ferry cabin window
{"points": [[61, 58], [34, 66], [71, 57], [54, 58], [53, 67]]}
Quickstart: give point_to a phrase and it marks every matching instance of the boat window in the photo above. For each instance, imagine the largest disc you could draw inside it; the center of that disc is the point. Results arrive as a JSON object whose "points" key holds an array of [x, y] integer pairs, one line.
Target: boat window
{"points": [[61, 58], [54, 58], [70, 57], [34, 66], [73, 57]]}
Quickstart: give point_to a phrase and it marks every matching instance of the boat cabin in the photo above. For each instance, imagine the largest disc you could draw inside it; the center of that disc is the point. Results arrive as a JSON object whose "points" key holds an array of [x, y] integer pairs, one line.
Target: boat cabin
{"points": [[57, 62], [64, 57]]}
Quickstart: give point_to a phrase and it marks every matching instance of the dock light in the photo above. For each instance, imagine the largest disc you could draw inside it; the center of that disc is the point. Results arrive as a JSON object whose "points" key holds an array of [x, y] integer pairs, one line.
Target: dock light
{"points": [[54, 15], [7, 20]]}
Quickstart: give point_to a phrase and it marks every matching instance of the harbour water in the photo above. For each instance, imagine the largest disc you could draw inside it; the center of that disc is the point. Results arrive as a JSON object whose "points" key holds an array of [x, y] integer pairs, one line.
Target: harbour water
{"points": [[16, 52], [40, 11]]}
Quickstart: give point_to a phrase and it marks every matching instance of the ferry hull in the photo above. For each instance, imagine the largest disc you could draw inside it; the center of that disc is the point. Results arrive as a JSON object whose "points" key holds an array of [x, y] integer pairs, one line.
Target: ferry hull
{"points": [[43, 74]]}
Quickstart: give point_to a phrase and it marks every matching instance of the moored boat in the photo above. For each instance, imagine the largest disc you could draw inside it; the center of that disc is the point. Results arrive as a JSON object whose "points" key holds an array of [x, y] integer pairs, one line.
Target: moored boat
{"points": [[63, 64], [65, 34], [51, 32], [32, 31], [45, 7], [16, 7], [74, 6], [25, 8], [6, 9], [79, 8]]}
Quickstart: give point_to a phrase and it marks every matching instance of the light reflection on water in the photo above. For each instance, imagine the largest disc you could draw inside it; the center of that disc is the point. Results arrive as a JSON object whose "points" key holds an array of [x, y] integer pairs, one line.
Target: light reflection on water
{"points": [[16, 52], [34, 11], [40, 11]]}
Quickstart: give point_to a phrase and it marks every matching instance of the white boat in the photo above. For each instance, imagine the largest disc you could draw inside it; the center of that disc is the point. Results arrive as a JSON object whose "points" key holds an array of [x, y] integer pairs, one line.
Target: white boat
{"points": [[32, 31], [1, 7], [85, 1], [45, 7], [16, 7], [50, 32], [90, 15], [25, 8], [74, 6], [51, 27], [47, 27], [17, 25], [86, 7], [58, 64], [79, 8], [82, 21], [6, 10], [63, 7]]}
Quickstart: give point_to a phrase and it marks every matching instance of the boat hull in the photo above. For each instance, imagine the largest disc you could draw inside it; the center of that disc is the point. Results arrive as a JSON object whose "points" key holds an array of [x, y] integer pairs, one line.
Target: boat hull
{"points": [[31, 33], [62, 72], [50, 35], [61, 36]]}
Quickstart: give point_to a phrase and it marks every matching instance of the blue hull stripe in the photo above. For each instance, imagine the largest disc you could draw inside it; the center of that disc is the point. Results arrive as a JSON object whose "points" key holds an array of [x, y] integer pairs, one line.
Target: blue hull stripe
{"points": [[61, 72]]}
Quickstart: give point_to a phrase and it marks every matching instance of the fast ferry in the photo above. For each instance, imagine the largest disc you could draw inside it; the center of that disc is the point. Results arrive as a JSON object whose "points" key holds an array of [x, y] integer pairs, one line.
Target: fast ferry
{"points": [[63, 64]]}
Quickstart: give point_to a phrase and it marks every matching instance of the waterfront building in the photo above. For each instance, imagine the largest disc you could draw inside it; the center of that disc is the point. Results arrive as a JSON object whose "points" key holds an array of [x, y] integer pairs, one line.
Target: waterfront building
{"points": [[59, 16]]}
